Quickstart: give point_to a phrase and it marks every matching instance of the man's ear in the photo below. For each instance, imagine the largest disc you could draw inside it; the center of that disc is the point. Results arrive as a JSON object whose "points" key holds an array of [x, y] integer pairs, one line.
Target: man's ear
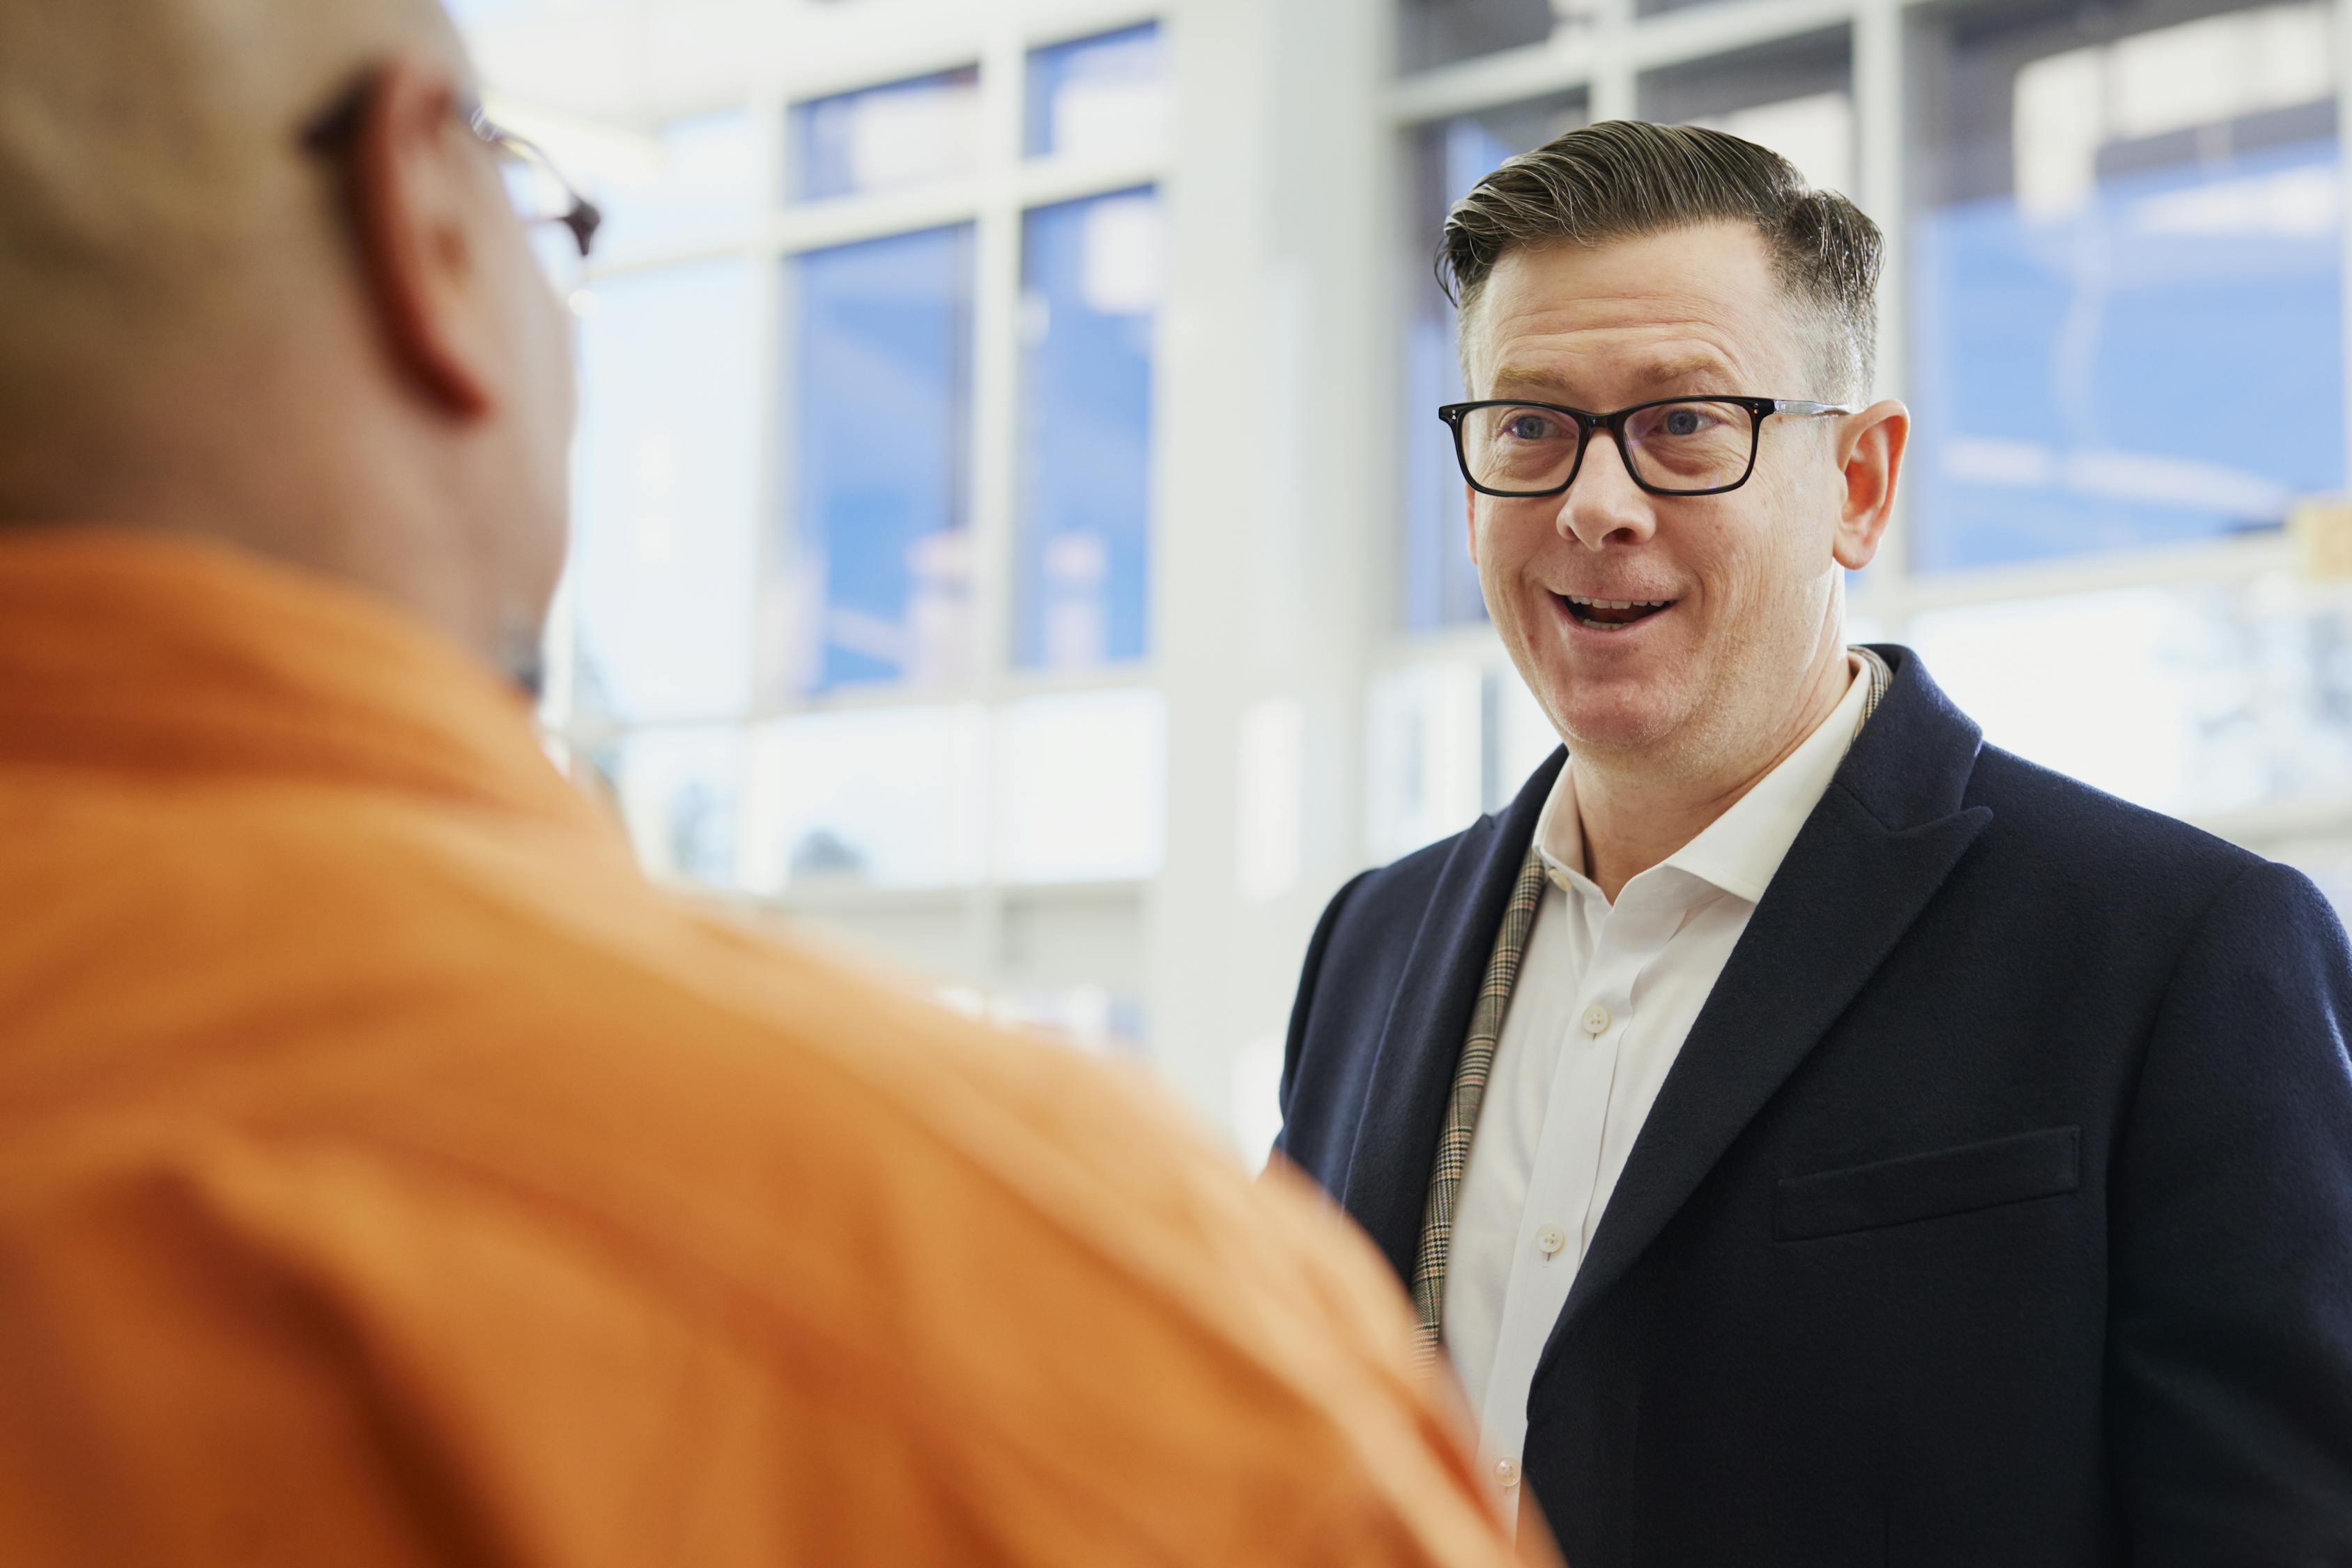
{"points": [[1470, 519], [417, 197], [1870, 447]]}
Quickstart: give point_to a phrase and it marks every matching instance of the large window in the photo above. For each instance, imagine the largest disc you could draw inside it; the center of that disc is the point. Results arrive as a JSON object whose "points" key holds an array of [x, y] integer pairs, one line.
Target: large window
{"points": [[856, 620]]}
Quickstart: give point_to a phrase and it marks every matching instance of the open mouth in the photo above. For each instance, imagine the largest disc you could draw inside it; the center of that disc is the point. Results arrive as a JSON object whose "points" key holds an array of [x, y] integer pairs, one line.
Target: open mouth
{"points": [[1611, 614]]}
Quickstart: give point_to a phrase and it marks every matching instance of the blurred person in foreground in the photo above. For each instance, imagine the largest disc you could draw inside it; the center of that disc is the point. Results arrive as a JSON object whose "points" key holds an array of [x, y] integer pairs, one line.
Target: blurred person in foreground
{"points": [[1815, 1136], [387, 1176]]}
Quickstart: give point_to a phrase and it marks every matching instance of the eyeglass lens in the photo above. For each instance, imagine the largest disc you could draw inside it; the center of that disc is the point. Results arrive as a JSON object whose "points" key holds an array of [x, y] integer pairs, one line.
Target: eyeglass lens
{"points": [[1697, 444]]}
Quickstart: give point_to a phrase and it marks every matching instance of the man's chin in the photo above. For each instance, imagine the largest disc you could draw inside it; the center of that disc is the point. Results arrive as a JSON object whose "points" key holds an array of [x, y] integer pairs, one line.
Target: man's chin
{"points": [[1617, 717]]}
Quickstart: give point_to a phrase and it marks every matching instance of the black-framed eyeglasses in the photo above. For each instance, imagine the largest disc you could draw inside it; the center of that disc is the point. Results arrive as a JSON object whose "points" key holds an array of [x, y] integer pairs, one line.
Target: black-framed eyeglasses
{"points": [[538, 188], [1672, 446]]}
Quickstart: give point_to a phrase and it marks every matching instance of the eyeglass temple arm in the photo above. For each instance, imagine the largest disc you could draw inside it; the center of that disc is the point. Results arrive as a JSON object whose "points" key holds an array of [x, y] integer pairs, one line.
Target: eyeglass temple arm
{"points": [[583, 217]]}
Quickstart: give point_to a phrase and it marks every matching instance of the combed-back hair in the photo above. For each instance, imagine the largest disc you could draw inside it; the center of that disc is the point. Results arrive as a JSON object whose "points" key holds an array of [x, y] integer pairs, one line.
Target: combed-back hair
{"points": [[1626, 178]]}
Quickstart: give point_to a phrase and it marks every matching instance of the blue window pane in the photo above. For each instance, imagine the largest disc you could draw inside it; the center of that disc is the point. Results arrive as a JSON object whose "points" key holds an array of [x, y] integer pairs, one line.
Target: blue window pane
{"points": [[699, 184], [883, 138], [1092, 275], [2164, 363], [1101, 97], [1440, 584], [2127, 296], [667, 469], [882, 461]]}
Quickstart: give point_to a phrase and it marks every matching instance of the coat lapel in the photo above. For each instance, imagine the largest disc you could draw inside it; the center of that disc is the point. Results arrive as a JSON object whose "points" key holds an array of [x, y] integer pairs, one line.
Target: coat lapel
{"points": [[1883, 840], [1413, 1069]]}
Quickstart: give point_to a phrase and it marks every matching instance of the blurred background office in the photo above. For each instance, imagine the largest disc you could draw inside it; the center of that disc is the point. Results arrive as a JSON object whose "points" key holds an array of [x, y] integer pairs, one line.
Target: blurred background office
{"points": [[1015, 538]]}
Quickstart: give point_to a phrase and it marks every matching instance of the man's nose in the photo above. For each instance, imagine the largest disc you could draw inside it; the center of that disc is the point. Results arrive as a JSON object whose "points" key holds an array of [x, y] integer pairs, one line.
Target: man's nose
{"points": [[1604, 505]]}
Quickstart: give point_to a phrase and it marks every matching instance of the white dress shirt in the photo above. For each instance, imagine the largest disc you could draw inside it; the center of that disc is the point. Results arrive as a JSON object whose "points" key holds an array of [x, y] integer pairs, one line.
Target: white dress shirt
{"points": [[1605, 996]]}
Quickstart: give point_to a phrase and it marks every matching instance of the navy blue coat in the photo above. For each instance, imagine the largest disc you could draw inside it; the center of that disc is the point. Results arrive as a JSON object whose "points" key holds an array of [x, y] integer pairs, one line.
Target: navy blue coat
{"points": [[1997, 1212]]}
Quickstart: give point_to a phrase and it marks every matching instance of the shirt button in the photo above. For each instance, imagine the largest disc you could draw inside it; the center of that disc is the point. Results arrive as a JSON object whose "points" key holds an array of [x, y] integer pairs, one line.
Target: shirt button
{"points": [[1550, 1240], [1596, 1019], [1506, 1472]]}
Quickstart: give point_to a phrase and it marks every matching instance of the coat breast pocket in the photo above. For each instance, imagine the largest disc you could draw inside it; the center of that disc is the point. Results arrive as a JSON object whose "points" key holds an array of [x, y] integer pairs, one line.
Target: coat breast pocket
{"points": [[2048, 1163]]}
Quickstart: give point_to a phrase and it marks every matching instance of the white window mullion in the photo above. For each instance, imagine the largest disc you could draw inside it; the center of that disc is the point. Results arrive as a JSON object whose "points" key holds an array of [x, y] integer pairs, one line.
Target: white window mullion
{"points": [[1615, 76], [778, 525], [996, 389], [996, 365], [1881, 149]]}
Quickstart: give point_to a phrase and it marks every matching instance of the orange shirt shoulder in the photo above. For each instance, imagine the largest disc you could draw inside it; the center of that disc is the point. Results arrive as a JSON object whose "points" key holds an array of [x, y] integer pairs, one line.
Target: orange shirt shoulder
{"points": [[388, 1174]]}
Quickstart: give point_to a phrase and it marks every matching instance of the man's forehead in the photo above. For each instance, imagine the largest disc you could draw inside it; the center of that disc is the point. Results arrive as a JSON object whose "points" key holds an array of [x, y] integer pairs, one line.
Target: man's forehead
{"points": [[1657, 310], [1667, 369], [1721, 263], [1569, 356]]}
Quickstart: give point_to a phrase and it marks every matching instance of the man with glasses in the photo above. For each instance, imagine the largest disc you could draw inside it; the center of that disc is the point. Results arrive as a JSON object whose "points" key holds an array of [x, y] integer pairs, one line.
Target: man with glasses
{"points": [[388, 1175], [1812, 1135]]}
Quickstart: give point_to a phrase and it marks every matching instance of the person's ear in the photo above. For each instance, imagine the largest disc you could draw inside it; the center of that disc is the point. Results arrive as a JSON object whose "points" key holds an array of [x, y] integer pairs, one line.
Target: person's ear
{"points": [[1470, 518], [1870, 446], [417, 189]]}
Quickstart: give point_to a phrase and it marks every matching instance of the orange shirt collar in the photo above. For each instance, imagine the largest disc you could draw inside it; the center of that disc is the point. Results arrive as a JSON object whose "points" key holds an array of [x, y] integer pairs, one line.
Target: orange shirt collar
{"points": [[127, 650]]}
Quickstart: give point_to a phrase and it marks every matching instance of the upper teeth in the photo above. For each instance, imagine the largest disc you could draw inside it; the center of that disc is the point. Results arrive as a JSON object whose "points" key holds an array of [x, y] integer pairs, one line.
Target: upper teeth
{"points": [[1620, 604]]}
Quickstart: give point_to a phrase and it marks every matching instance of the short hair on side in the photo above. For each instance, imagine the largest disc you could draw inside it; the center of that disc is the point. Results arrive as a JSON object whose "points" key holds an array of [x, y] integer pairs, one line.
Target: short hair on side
{"points": [[1622, 179]]}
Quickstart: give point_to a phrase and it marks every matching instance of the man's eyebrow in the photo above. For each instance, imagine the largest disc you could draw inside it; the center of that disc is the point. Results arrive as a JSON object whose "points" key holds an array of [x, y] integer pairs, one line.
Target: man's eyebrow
{"points": [[1527, 378], [1684, 368]]}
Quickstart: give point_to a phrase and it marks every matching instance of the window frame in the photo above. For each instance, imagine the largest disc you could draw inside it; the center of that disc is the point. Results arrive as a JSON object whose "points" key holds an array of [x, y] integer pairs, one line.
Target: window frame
{"points": [[1008, 183]]}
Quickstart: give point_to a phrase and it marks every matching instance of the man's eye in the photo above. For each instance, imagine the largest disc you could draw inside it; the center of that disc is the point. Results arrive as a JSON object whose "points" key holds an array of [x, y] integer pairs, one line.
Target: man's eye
{"points": [[1682, 421], [1529, 427]]}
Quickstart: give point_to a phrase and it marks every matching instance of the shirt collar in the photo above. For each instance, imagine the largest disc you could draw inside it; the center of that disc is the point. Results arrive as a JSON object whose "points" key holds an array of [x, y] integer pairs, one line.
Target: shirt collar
{"points": [[1740, 850], [129, 651]]}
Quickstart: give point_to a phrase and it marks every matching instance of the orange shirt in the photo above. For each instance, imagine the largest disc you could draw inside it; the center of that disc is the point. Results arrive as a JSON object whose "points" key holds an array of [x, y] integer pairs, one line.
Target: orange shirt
{"points": [[388, 1175]]}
